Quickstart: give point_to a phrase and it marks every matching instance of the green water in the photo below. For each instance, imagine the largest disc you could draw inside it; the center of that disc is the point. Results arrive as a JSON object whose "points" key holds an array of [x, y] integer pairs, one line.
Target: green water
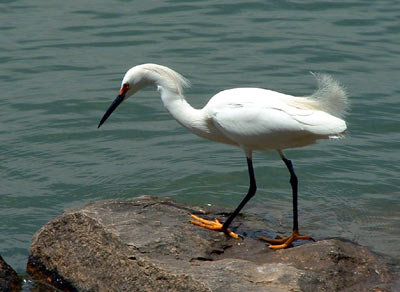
{"points": [[61, 64]]}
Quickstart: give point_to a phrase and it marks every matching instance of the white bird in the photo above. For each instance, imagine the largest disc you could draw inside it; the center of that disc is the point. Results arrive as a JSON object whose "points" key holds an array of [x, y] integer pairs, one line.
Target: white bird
{"points": [[249, 118]]}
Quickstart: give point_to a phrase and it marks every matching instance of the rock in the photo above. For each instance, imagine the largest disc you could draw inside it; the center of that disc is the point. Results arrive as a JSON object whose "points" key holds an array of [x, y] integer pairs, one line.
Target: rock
{"points": [[147, 244], [9, 280]]}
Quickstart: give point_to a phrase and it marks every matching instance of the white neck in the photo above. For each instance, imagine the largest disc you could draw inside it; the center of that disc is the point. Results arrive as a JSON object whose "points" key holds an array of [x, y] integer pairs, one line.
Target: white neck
{"points": [[170, 85], [189, 117]]}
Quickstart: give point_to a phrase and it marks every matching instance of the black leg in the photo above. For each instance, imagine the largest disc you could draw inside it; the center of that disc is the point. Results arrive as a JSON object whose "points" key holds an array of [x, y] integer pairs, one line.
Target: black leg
{"points": [[250, 194], [294, 184], [285, 242]]}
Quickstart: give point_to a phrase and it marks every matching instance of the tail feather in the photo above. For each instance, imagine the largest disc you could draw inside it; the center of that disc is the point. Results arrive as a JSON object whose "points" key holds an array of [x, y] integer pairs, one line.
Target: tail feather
{"points": [[330, 95]]}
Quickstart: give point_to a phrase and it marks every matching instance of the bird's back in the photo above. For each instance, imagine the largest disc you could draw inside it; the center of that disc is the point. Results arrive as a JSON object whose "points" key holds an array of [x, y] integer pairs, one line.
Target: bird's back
{"points": [[259, 119]]}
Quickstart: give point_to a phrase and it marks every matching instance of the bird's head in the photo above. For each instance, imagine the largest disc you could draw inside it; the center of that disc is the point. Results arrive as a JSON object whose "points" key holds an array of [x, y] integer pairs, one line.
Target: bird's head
{"points": [[140, 76], [134, 80]]}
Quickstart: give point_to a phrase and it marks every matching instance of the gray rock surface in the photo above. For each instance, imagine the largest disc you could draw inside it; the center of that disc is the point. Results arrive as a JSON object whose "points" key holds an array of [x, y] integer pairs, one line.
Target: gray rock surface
{"points": [[9, 280], [147, 244]]}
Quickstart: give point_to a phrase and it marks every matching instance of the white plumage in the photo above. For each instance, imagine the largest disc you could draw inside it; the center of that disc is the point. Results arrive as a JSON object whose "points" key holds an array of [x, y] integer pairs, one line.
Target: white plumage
{"points": [[258, 119], [250, 118]]}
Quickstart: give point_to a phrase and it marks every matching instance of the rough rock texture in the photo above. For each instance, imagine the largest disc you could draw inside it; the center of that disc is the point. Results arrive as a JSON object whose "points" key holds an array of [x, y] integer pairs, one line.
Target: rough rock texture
{"points": [[147, 244], [9, 280]]}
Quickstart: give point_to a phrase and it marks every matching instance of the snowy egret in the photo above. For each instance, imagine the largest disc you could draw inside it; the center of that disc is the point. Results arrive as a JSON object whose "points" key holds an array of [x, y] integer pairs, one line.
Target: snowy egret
{"points": [[250, 118]]}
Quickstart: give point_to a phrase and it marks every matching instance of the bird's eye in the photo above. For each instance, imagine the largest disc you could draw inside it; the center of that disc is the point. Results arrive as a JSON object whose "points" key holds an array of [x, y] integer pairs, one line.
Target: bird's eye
{"points": [[124, 89]]}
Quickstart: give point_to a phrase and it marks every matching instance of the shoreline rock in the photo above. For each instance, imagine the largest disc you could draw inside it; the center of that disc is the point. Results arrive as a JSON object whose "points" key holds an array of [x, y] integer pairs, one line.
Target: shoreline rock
{"points": [[9, 280], [147, 244]]}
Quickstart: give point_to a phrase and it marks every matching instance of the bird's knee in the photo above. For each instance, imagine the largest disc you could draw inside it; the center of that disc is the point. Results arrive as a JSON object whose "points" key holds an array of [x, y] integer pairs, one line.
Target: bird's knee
{"points": [[293, 180], [252, 190]]}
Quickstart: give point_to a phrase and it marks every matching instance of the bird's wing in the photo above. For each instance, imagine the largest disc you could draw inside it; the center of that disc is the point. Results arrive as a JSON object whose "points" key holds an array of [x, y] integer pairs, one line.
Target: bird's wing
{"points": [[263, 126], [317, 122]]}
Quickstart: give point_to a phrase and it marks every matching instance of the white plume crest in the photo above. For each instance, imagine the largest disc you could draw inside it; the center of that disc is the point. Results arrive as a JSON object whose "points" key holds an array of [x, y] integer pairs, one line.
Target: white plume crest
{"points": [[331, 96], [172, 79]]}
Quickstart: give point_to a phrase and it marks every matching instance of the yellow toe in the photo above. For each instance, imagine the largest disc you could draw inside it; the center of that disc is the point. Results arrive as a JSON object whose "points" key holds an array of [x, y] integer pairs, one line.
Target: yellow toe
{"points": [[284, 242], [212, 225]]}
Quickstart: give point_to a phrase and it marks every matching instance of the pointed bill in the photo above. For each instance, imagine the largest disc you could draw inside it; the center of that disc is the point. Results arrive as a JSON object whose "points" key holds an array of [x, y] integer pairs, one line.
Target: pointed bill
{"points": [[120, 98]]}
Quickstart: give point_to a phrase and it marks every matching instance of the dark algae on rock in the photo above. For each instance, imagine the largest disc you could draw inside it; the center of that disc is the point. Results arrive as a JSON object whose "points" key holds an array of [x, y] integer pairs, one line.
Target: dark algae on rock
{"points": [[9, 280]]}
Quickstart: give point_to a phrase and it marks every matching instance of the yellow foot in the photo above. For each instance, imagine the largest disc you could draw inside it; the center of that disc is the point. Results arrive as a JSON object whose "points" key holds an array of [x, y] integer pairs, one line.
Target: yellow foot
{"points": [[285, 241], [212, 225]]}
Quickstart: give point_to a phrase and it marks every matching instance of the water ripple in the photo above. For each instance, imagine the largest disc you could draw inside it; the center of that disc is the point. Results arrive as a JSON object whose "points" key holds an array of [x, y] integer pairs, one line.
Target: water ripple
{"points": [[62, 66]]}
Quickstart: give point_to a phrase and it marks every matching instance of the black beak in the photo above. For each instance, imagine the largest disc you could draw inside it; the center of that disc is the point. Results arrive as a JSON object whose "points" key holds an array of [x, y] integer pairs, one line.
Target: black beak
{"points": [[120, 98]]}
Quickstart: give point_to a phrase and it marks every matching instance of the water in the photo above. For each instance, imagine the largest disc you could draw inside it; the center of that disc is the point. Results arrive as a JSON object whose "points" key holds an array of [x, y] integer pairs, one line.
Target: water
{"points": [[62, 64]]}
